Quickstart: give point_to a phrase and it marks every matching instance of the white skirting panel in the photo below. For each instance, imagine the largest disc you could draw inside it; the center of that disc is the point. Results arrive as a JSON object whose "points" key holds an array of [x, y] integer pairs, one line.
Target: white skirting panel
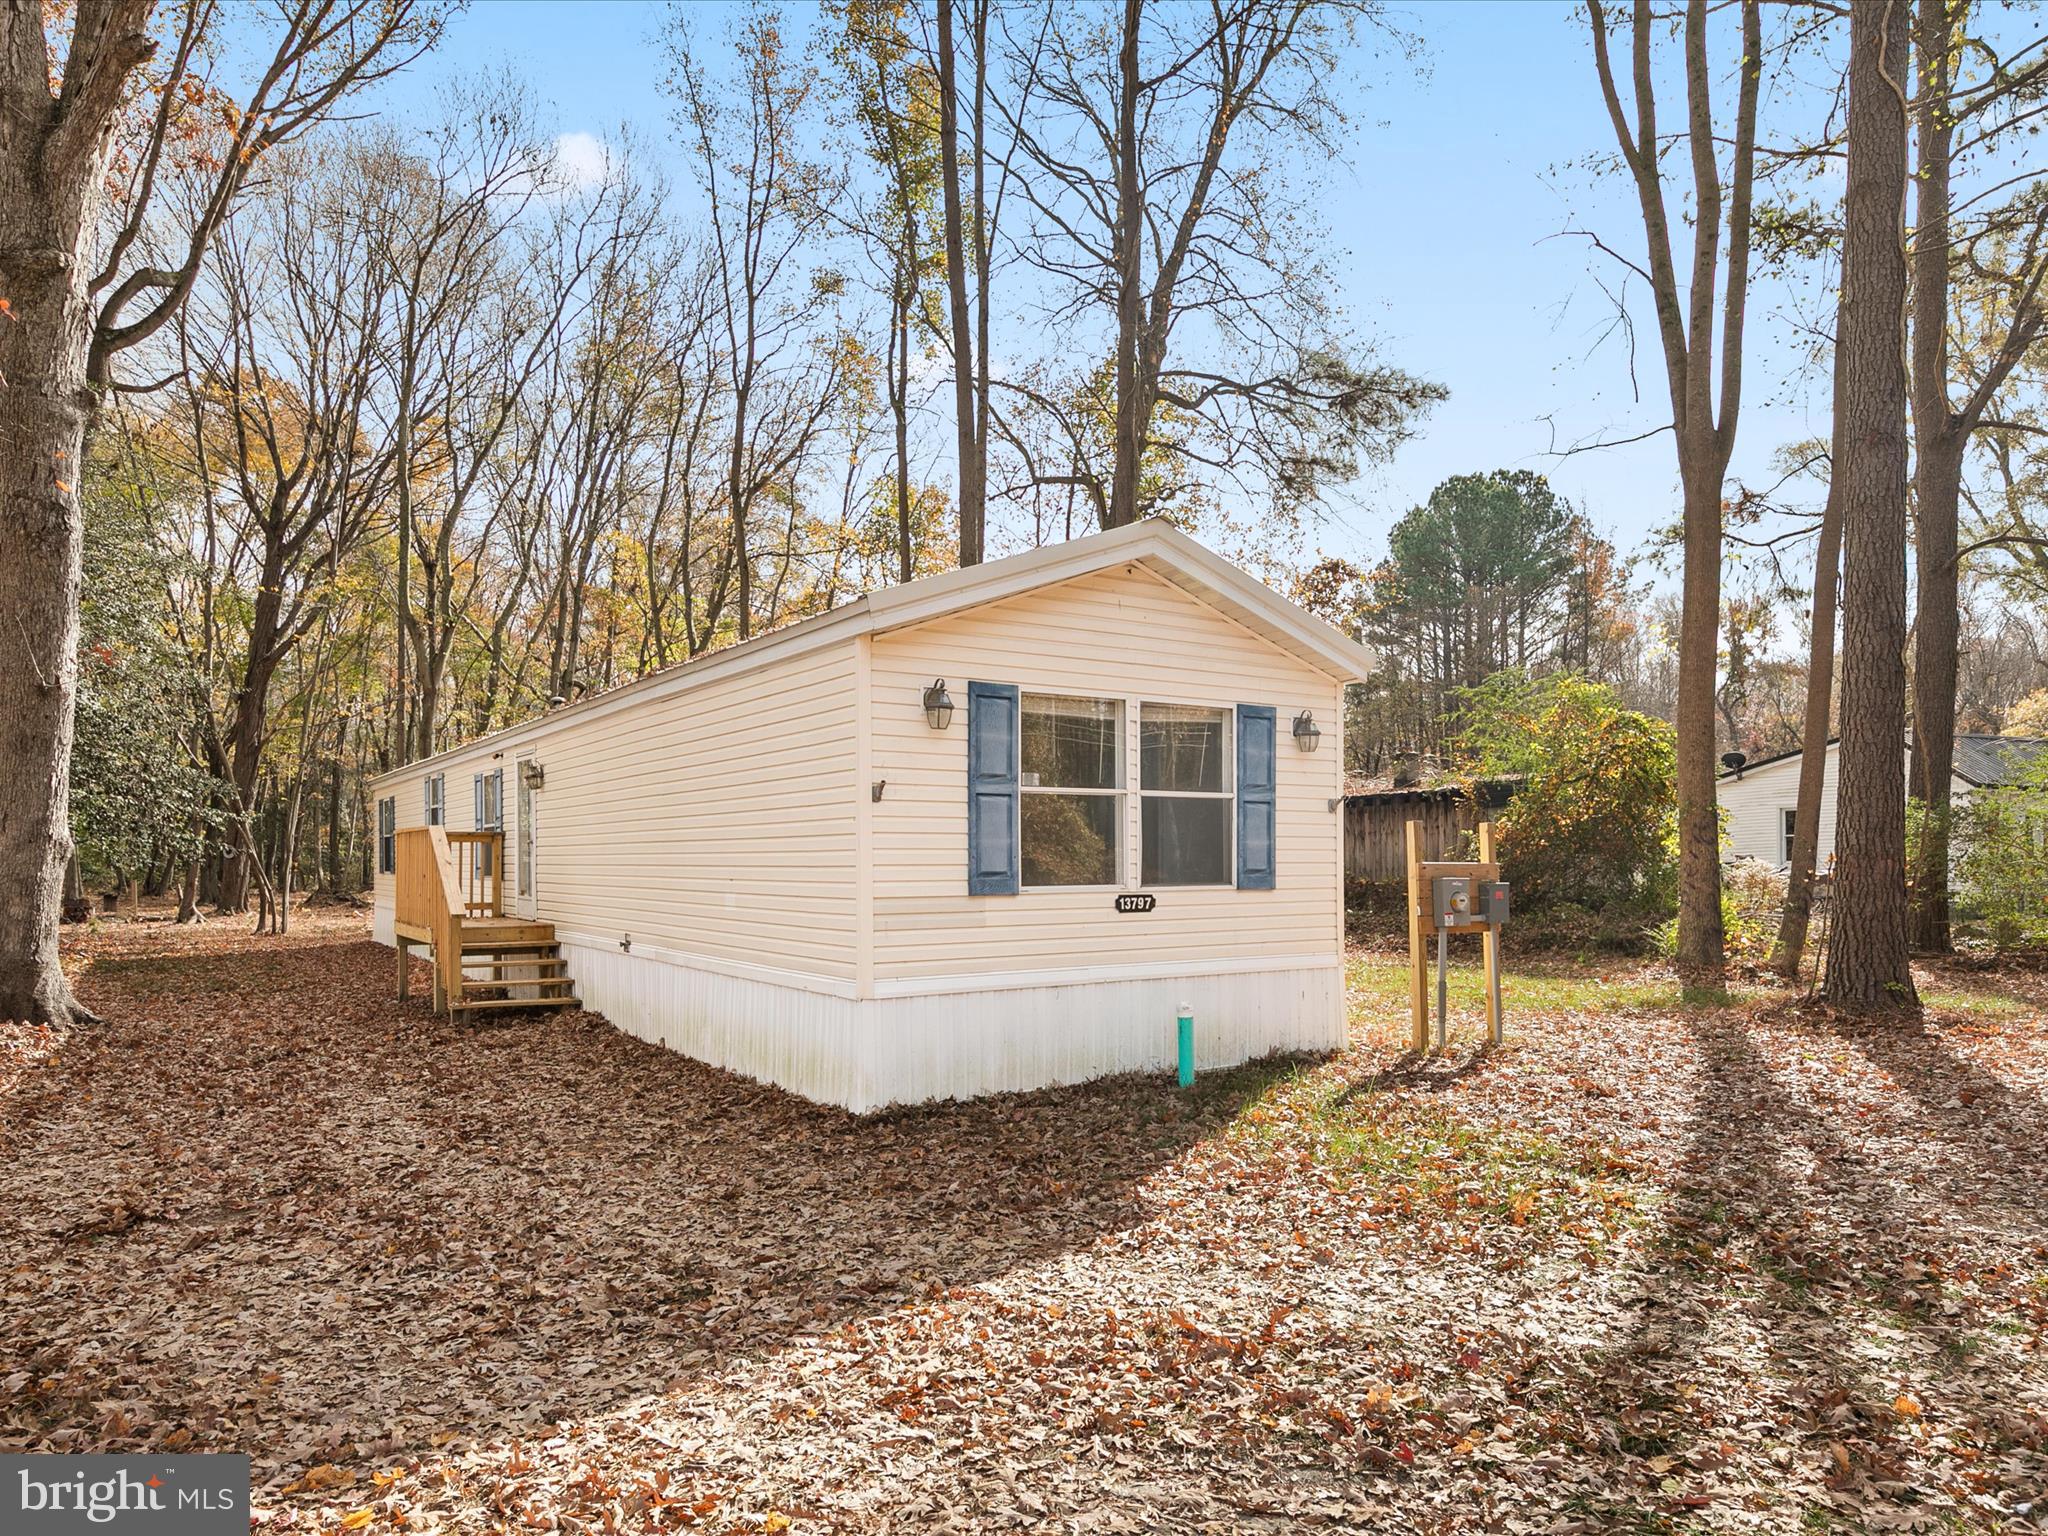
{"points": [[866, 1054], [383, 921], [776, 1033], [869, 1053]]}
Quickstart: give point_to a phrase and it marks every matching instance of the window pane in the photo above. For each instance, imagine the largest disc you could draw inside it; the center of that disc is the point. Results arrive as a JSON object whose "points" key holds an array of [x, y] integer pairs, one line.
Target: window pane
{"points": [[1185, 748], [1187, 841], [1070, 743], [1069, 839]]}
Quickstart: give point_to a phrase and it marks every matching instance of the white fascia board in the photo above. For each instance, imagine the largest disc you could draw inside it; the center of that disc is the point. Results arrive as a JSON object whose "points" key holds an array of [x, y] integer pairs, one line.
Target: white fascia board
{"points": [[1156, 544], [799, 639]]}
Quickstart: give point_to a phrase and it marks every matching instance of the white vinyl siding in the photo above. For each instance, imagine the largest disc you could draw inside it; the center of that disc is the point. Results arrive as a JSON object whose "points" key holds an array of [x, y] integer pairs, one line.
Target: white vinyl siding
{"points": [[714, 822], [1124, 634], [1754, 805]]}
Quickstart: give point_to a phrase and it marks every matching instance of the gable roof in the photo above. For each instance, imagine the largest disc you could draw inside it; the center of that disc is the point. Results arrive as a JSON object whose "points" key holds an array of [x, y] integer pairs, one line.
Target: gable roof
{"points": [[1981, 761], [1158, 546], [1988, 761], [1765, 762]]}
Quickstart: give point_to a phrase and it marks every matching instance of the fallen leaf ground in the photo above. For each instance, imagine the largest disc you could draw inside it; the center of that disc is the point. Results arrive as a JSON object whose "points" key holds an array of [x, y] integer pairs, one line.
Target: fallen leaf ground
{"points": [[1665, 1262]]}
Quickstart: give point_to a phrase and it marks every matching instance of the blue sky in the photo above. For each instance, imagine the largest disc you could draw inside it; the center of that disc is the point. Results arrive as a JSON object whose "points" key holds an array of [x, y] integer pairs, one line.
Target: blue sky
{"points": [[1449, 211]]}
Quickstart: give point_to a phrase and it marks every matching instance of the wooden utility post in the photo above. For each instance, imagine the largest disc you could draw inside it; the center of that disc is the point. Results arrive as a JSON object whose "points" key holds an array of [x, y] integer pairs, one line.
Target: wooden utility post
{"points": [[1418, 963], [1489, 942], [1424, 923]]}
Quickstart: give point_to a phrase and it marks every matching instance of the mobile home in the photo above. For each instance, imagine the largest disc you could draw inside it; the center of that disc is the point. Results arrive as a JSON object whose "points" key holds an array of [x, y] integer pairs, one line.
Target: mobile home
{"points": [[984, 831]]}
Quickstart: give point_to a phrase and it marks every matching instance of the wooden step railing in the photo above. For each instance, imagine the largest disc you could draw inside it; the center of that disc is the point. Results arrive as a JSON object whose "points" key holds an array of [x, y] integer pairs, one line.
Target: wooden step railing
{"points": [[430, 898], [480, 872]]}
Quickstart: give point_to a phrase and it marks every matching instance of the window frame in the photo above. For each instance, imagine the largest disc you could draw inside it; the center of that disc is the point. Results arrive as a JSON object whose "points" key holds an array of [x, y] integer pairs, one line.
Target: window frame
{"points": [[387, 835], [1788, 821], [1120, 881], [1228, 794], [437, 800], [488, 812]]}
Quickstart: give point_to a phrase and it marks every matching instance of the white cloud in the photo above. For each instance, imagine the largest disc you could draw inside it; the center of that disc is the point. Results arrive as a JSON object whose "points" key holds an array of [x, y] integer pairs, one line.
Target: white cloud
{"points": [[581, 159]]}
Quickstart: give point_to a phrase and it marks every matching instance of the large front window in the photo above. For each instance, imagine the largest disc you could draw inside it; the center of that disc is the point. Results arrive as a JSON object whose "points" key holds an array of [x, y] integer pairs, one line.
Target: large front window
{"points": [[1185, 794], [1070, 789]]}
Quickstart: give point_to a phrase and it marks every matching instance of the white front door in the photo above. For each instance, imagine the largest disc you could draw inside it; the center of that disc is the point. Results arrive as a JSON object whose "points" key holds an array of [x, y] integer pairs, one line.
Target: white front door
{"points": [[525, 843]]}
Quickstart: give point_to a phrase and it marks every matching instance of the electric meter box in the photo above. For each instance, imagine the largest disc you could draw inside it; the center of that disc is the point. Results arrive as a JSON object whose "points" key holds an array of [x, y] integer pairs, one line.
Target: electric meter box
{"points": [[1451, 901], [1493, 900]]}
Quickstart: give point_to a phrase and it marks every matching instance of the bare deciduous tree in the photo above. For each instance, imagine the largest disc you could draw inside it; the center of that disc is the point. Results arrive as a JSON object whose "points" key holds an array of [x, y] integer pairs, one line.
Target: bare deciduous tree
{"points": [[1712, 296]]}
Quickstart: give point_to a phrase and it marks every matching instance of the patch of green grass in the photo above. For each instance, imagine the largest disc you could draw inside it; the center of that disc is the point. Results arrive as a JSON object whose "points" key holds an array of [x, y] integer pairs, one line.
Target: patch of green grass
{"points": [[1981, 1005], [1421, 1159], [1381, 984]]}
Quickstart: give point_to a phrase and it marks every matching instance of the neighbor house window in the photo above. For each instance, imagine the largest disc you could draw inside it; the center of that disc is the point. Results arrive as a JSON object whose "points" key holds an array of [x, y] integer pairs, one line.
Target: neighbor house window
{"points": [[1070, 806], [387, 836], [437, 799], [1185, 795], [1787, 818]]}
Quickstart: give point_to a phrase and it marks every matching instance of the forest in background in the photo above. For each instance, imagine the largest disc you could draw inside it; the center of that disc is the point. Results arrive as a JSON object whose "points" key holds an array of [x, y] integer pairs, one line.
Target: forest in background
{"points": [[431, 426], [449, 429]]}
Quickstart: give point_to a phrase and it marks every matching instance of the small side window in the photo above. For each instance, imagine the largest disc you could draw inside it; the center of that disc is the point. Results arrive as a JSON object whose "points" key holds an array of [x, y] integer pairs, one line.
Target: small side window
{"points": [[437, 799], [387, 835], [1788, 818]]}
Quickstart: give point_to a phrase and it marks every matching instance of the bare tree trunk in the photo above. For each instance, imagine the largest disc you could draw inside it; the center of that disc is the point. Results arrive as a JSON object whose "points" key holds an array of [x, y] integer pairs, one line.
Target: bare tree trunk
{"points": [[972, 471], [1941, 437], [1868, 965], [1686, 328], [1701, 939], [899, 406], [188, 893], [1937, 482], [1813, 741], [1131, 423], [1937, 479]]}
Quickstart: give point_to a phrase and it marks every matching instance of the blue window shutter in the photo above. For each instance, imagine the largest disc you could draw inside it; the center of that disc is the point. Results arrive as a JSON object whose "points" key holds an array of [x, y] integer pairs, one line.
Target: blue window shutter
{"points": [[1255, 797], [991, 789]]}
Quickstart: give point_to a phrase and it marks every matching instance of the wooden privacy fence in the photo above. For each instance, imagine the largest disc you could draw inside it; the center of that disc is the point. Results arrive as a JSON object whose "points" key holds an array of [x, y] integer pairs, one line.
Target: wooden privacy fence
{"points": [[1375, 827]]}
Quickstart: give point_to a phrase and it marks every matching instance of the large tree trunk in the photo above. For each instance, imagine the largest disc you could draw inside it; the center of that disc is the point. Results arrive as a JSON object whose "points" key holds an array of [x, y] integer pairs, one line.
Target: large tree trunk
{"points": [[53, 164], [1939, 440], [1813, 741], [43, 409], [1868, 965]]}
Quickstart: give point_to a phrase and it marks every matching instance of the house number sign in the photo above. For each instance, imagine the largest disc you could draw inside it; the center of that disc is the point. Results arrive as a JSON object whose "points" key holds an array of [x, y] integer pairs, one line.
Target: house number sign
{"points": [[1136, 901]]}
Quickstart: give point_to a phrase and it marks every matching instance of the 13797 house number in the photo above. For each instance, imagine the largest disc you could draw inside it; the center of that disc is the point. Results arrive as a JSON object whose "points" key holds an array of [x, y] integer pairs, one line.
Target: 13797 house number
{"points": [[1136, 901]]}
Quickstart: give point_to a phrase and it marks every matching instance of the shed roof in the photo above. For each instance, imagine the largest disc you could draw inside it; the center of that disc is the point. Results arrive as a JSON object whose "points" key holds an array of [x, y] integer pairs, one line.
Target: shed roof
{"points": [[1158, 546]]}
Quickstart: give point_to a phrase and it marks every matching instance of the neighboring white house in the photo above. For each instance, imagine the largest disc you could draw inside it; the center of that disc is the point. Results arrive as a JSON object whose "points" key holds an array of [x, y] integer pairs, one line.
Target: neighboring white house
{"points": [[784, 859], [1758, 799]]}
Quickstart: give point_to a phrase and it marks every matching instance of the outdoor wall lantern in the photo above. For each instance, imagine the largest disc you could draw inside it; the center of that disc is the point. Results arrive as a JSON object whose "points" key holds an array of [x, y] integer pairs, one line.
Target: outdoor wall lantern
{"points": [[938, 705], [1306, 733]]}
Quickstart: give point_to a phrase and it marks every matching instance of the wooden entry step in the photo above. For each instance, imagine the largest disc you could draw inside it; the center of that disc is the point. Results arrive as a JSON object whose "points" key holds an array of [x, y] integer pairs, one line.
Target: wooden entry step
{"points": [[498, 963], [505, 933], [494, 1004]]}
